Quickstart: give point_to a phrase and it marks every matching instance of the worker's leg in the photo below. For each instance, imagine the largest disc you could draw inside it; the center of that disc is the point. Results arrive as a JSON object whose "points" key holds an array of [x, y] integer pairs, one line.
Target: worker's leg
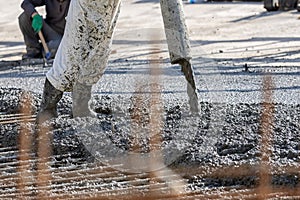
{"points": [[81, 96], [33, 47], [83, 54], [99, 40], [287, 4], [31, 39], [50, 98]]}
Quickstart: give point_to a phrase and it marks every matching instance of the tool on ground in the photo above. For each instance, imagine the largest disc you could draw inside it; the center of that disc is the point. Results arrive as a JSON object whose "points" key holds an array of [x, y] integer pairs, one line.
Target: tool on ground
{"points": [[47, 52], [179, 45]]}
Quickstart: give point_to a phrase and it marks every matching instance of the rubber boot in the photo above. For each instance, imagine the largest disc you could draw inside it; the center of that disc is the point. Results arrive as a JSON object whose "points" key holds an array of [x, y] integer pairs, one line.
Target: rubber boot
{"points": [[51, 97], [81, 96]]}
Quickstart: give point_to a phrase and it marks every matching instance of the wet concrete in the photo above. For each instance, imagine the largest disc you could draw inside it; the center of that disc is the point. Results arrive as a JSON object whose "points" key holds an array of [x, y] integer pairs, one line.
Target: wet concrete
{"points": [[232, 140]]}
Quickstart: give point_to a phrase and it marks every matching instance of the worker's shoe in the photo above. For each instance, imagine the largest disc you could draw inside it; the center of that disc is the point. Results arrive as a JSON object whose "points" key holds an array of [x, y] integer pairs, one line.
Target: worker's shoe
{"points": [[51, 97], [32, 53], [81, 96]]}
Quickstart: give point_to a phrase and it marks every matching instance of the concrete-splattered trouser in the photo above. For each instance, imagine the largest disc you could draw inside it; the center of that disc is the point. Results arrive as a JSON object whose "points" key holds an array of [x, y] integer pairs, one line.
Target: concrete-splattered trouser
{"points": [[82, 56]]}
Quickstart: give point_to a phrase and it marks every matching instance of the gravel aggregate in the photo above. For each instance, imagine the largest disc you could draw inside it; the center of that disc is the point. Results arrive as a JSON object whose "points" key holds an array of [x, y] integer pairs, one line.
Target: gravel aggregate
{"points": [[232, 141]]}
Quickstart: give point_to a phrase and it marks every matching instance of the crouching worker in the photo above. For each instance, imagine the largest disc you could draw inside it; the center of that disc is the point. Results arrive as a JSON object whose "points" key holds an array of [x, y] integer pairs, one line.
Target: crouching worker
{"points": [[52, 27], [82, 56]]}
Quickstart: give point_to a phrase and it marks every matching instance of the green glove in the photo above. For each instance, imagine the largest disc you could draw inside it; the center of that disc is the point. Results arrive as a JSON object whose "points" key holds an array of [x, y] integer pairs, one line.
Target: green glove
{"points": [[37, 23]]}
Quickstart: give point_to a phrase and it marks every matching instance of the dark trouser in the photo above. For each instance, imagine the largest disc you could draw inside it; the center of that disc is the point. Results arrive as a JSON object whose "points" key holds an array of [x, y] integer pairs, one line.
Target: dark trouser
{"points": [[287, 4], [31, 38]]}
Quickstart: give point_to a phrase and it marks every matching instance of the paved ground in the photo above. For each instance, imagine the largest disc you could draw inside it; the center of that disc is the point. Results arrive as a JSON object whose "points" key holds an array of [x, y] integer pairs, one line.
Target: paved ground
{"points": [[240, 54], [226, 37]]}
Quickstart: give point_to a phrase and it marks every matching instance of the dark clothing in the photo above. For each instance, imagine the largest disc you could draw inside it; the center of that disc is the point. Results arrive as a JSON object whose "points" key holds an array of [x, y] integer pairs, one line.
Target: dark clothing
{"points": [[53, 25], [56, 12], [31, 39]]}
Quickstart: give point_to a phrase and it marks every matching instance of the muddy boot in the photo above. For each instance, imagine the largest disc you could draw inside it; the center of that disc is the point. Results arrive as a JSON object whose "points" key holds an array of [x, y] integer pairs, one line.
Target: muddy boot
{"points": [[51, 97], [81, 96]]}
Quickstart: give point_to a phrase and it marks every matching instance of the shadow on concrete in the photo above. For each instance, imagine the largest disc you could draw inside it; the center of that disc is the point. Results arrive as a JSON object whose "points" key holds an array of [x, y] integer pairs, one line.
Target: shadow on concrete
{"points": [[254, 39], [248, 90], [10, 43], [256, 16], [135, 64], [9, 49]]}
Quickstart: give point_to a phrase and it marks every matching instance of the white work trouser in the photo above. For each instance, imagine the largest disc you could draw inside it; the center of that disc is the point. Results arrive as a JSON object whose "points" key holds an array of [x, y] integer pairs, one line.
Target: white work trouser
{"points": [[83, 53]]}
